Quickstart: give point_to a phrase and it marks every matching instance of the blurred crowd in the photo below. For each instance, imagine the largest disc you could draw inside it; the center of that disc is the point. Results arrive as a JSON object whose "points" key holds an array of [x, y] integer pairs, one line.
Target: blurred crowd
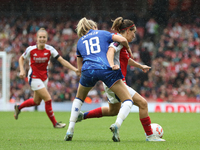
{"points": [[169, 44], [175, 69], [18, 33]]}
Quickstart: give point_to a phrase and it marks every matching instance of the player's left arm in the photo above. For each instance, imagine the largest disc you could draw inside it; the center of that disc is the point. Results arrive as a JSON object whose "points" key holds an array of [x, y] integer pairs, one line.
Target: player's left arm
{"points": [[67, 64], [144, 68]]}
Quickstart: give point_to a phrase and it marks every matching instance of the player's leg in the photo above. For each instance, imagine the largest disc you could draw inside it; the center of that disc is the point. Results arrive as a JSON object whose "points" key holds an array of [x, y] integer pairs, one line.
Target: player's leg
{"points": [[41, 93], [144, 117], [35, 101], [119, 88], [44, 94], [27, 103], [143, 113], [87, 81], [76, 106], [111, 110]]}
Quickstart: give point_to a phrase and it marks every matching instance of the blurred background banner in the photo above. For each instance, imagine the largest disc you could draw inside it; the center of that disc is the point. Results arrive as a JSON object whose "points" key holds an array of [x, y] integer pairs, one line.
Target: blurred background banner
{"points": [[152, 107], [167, 39]]}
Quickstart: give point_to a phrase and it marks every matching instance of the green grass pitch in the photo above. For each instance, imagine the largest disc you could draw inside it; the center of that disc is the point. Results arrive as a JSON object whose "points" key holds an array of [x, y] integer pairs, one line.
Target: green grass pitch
{"points": [[33, 130]]}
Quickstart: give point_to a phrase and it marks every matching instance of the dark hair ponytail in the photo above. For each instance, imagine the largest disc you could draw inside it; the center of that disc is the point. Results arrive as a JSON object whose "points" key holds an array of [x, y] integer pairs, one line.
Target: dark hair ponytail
{"points": [[121, 25]]}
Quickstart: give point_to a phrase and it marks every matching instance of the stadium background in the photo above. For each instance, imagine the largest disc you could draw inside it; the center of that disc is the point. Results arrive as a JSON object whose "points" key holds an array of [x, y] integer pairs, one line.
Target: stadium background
{"points": [[167, 39]]}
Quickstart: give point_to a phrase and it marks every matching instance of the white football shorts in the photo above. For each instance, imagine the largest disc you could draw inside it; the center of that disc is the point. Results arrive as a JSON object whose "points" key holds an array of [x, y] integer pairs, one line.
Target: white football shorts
{"points": [[112, 97], [37, 84]]}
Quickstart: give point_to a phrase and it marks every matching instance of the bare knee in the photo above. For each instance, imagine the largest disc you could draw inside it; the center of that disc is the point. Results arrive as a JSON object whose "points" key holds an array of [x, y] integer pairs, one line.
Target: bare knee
{"points": [[37, 102], [143, 104], [114, 109], [114, 112]]}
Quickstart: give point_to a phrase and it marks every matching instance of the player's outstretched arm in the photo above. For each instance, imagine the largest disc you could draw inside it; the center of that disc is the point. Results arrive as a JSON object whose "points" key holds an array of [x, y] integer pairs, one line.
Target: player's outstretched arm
{"points": [[68, 65], [144, 68]]}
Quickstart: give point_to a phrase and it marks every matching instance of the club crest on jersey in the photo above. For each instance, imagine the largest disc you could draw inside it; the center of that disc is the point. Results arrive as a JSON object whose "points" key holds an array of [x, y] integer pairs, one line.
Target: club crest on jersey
{"points": [[116, 44]]}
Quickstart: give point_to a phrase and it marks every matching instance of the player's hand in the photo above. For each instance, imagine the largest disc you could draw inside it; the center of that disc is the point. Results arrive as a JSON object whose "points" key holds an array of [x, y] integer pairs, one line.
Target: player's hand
{"points": [[115, 67], [22, 74], [145, 68], [78, 72]]}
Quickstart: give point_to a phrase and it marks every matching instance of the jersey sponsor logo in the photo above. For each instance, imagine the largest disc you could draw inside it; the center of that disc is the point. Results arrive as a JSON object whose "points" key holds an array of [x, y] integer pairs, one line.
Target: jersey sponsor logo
{"points": [[40, 59], [46, 53], [35, 54]]}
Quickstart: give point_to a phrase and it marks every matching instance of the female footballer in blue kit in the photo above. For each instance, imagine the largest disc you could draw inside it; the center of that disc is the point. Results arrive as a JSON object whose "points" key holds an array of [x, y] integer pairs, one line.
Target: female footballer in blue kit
{"points": [[127, 29], [92, 60]]}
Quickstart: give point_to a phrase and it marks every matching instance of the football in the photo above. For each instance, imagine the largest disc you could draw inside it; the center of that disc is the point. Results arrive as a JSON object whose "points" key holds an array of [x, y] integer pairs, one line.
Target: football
{"points": [[157, 130]]}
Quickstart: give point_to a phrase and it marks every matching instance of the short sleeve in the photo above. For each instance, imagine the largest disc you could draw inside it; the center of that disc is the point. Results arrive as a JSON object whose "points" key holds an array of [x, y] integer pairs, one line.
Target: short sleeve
{"points": [[116, 45], [54, 52], [78, 54], [26, 54]]}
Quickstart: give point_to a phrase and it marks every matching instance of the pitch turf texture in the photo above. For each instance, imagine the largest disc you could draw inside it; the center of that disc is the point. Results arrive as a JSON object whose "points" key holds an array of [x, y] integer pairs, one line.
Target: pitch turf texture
{"points": [[33, 130]]}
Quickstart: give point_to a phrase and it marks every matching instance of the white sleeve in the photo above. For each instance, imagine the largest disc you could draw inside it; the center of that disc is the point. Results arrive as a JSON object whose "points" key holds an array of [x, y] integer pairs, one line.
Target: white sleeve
{"points": [[116, 45], [54, 52], [26, 54]]}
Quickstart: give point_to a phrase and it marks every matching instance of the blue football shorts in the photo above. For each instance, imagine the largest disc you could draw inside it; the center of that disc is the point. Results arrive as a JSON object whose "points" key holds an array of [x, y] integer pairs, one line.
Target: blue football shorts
{"points": [[90, 77]]}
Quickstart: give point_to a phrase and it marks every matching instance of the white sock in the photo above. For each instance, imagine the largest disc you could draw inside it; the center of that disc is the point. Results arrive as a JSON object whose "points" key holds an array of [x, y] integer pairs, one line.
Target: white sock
{"points": [[76, 106], [123, 112]]}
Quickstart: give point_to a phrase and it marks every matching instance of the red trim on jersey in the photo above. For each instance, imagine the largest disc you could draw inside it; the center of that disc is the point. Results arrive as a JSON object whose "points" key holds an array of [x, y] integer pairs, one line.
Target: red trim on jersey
{"points": [[123, 59]]}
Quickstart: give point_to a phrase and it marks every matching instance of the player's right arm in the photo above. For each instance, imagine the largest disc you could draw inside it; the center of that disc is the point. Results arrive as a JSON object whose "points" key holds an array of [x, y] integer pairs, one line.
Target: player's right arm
{"points": [[79, 63], [22, 73], [25, 55], [110, 57], [113, 48]]}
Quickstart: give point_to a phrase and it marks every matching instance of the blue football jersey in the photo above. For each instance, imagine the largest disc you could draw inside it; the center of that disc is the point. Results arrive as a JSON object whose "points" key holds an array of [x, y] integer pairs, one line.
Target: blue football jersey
{"points": [[93, 47]]}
